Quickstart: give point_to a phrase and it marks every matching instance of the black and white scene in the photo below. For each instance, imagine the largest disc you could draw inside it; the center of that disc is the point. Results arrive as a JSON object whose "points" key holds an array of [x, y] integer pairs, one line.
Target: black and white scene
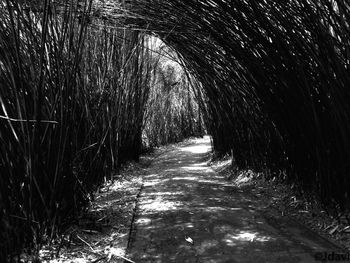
{"points": [[174, 131]]}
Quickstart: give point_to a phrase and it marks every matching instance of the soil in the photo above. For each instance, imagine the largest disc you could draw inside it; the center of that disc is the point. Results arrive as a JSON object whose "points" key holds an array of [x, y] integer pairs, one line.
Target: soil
{"points": [[188, 212], [290, 201], [175, 206], [102, 233]]}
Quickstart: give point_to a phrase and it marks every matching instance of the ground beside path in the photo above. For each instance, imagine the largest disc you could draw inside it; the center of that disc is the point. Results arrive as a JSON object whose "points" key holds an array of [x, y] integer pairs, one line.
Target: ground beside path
{"points": [[184, 200]]}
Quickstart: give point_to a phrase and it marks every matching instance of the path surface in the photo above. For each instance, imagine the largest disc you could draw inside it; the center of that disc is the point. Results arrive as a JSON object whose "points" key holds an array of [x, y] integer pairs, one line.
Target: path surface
{"points": [[183, 197]]}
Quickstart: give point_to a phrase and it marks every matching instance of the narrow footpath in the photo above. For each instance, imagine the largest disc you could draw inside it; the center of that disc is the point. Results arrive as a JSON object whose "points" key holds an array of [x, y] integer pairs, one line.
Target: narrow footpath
{"points": [[188, 213]]}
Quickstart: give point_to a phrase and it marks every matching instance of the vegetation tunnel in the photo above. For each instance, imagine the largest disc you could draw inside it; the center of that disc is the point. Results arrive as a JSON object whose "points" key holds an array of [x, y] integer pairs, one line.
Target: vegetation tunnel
{"points": [[85, 85]]}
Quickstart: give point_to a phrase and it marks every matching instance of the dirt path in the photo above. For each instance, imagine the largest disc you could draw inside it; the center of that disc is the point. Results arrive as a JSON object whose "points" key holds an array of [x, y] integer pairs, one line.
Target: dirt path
{"points": [[184, 198]]}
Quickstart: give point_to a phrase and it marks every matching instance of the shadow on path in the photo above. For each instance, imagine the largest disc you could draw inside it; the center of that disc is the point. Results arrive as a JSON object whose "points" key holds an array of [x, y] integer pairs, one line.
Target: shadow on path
{"points": [[183, 197]]}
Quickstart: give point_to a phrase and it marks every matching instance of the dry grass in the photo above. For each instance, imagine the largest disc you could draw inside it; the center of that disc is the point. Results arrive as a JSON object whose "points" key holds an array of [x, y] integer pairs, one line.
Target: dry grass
{"points": [[288, 200]]}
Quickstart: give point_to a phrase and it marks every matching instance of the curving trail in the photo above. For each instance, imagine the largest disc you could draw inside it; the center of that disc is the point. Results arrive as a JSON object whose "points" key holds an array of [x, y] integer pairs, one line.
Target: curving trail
{"points": [[184, 198]]}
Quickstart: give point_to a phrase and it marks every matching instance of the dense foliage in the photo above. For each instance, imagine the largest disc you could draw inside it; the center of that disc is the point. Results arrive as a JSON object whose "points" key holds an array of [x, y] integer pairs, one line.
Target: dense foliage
{"points": [[172, 112], [73, 97], [79, 93], [276, 75]]}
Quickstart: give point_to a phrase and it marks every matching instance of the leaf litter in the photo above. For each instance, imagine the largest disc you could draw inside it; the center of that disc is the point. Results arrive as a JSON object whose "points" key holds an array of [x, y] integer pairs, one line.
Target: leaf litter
{"points": [[101, 234], [289, 201]]}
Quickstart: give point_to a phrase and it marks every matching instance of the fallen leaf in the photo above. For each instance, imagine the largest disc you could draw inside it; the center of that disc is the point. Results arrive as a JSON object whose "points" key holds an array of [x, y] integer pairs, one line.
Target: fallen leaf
{"points": [[189, 240]]}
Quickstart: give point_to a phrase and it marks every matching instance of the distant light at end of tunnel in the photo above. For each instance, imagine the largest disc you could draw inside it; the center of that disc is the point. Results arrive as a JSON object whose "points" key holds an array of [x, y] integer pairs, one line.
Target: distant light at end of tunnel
{"points": [[197, 149]]}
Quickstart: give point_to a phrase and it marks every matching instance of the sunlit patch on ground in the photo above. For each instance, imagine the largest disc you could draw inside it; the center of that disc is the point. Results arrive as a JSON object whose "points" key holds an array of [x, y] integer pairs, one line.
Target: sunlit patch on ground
{"points": [[144, 221], [203, 164], [244, 236], [152, 182], [199, 179], [101, 234], [161, 204], [197, 168], [198, 148], [222, 209], [207, 244], [207, 219], [168, 194]]}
